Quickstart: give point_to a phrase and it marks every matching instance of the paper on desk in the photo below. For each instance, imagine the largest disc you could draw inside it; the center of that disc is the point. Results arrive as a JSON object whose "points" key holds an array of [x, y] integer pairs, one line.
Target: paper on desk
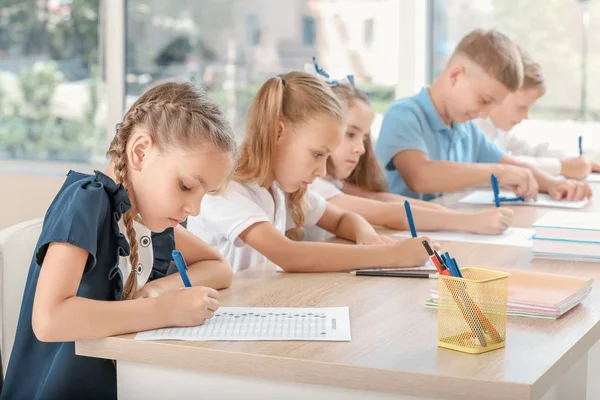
{"points": [[511, 237], [263, 323], [593, 177], [543, 200]]}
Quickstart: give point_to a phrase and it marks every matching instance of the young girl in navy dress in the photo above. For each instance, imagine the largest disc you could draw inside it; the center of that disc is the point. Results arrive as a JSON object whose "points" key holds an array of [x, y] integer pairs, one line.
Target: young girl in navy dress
{"points": [[173, 146]]}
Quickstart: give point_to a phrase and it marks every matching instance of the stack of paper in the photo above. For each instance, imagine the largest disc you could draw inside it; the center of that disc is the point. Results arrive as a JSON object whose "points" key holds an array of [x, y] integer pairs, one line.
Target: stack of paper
{"points": [[537, 294], [567, 235]]}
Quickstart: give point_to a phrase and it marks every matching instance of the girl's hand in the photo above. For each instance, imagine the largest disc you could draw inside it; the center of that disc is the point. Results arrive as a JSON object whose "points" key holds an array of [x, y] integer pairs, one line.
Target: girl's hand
{"points": [[490, 222], [410, 252], [190, 306]]}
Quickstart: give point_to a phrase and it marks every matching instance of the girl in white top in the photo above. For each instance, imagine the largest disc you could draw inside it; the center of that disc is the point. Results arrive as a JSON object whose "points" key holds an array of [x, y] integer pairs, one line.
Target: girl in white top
{"points": [[513, 110], [356, 183], [294, 123]]}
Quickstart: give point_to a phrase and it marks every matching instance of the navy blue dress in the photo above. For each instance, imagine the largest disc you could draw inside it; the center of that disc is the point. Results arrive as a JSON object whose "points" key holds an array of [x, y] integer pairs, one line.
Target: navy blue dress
{"points": [[85, 213]]}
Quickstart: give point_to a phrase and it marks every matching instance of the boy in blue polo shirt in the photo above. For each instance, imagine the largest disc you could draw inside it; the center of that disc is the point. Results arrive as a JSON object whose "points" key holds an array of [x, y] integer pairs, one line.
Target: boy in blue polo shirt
{"points": [[429, 145]]}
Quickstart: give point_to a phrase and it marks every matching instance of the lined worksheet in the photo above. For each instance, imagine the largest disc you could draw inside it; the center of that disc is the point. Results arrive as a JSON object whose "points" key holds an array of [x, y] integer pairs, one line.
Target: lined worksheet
{"points": [[265, 323]]}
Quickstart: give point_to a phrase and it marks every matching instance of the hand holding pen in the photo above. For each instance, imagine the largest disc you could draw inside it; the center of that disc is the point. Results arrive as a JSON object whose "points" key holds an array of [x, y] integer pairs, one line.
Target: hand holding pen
{"points": [[520, 179]]}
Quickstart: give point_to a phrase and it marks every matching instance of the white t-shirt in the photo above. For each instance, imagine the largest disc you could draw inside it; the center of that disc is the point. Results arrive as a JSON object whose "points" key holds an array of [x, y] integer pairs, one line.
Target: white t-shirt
{"points": [[540, 156], [327, 188], [225, 216]]}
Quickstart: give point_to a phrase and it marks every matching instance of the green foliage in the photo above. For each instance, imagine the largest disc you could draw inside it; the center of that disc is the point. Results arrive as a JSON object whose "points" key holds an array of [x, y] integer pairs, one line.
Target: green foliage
{"points": [[29, 130]]}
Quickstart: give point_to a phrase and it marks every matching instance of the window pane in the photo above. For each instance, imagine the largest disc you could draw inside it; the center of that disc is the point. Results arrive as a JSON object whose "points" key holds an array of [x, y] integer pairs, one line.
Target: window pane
{"points": [[51, 80], [550, 30], [230, 47], [309, 31], [369, 32]]}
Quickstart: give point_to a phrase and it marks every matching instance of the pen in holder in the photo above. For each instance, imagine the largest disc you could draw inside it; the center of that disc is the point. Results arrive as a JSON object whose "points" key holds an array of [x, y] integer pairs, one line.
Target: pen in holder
{"points": [[472, 310]]}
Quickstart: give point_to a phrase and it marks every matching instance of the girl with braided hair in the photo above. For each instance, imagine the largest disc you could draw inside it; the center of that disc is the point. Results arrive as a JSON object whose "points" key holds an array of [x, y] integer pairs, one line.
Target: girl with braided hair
{"points": [[88, 275]]}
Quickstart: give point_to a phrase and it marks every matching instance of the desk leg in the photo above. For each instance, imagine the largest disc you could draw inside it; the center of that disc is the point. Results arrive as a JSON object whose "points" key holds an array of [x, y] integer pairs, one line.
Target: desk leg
{"points": [[143, 381], [573, 385], [593, 387]]}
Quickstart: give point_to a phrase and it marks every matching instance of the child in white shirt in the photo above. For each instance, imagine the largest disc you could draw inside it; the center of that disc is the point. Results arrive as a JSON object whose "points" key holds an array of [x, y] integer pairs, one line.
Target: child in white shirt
{"points": [[514, 109], [293, 125]]}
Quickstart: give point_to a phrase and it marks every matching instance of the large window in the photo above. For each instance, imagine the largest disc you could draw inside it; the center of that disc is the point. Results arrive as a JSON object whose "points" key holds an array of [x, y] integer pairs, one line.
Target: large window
{"points": [[51, 80], [552, 31], [230, 47]]}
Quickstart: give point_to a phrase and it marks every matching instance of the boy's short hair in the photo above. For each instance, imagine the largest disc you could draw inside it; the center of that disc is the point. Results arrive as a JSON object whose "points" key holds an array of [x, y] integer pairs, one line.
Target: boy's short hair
{"points": [[532, 72], [496, 54]]}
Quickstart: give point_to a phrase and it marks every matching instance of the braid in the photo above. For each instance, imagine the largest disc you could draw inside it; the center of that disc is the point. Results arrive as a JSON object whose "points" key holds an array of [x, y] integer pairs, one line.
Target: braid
{"points": [[173, 114], [119, 158]]}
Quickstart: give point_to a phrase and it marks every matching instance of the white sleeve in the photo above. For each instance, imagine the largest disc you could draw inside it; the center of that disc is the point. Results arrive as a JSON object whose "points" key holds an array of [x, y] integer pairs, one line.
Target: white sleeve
{"points": [[232, 212], [521, 147], [548, 164], [315, 208], [324, 188]]}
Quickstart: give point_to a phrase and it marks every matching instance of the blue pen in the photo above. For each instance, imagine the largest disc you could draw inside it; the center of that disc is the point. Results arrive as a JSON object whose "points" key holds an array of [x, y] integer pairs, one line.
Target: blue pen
{"points": [[451, 267], [580, 145], [457, 269], [496, 190], [497, 198], [181, 267], [411, 222]]}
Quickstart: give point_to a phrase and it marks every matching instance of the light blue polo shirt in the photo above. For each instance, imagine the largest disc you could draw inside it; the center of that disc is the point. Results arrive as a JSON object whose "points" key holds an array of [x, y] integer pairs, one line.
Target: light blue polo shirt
{"points": [[413, 123]]}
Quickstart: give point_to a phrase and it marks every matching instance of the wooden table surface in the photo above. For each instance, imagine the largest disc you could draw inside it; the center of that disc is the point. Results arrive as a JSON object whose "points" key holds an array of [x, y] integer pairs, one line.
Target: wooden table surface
{"points": [[394, 337]]}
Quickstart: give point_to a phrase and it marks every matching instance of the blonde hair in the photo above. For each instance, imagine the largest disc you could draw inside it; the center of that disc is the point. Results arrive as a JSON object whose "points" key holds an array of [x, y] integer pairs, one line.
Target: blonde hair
{"points": [[175, 115], [294, 97], [496, 54], [368, 173], [532, 73]]}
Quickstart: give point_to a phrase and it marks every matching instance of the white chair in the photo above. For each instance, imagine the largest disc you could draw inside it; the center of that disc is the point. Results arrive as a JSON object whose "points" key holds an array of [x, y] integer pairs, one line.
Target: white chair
{"points": [[17, 244]]}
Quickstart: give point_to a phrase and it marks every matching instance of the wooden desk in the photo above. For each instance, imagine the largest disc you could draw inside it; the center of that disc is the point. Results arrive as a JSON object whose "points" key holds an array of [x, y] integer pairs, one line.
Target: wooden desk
{"points": [[393, 352]]}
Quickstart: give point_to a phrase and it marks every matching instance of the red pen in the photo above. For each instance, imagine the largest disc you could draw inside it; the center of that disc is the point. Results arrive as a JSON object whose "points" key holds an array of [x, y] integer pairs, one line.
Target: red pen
{"points": [[436, 260]]}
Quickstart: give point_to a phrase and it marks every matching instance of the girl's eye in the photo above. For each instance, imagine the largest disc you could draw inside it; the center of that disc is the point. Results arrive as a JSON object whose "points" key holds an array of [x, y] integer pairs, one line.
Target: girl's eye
{"points": [[183, 187], [351, 135], [318, 155]]}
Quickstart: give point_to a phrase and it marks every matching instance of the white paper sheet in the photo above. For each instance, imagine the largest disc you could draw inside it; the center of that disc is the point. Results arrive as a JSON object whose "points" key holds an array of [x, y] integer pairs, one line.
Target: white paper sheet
{"points": [[593, 177], [511, 237], [544, 200], [263, 323]]}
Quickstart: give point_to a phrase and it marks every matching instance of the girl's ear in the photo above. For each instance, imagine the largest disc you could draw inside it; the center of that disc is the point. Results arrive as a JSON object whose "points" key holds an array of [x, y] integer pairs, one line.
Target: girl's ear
{"points": [[139, 146], [281, 131]]}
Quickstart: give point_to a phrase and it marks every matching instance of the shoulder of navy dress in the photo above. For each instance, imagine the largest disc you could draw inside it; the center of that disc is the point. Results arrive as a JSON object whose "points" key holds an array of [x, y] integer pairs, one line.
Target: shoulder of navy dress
{"points": [[83, 206]]}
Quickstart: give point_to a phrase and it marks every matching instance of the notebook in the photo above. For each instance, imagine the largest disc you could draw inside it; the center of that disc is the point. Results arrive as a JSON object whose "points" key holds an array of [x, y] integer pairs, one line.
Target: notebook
{"points": [[537, 294], [428, 268], [568, 225], [566, 249]]}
